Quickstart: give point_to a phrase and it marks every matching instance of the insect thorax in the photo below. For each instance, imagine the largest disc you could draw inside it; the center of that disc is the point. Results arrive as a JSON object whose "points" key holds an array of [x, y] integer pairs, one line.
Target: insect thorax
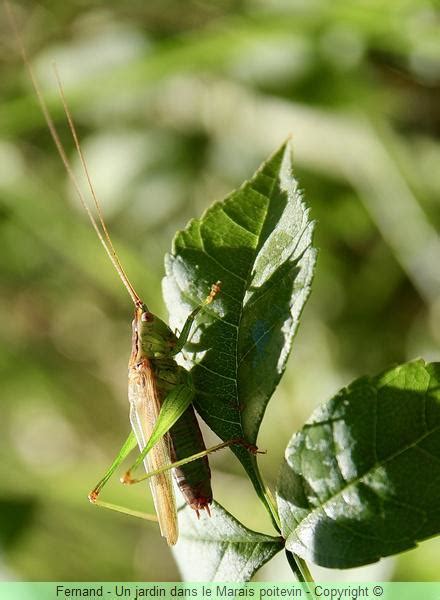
{"points": [[155, 337], [157, 343]]}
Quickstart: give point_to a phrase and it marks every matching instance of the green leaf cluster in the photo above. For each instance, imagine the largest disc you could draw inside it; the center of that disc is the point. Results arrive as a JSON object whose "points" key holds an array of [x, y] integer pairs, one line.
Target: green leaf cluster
{"points": [[361, 479]]}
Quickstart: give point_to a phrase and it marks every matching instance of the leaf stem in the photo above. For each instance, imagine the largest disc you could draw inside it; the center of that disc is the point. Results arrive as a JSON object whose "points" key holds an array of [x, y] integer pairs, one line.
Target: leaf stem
{"points": [[268, 499], [301, 571], [297, 564]]}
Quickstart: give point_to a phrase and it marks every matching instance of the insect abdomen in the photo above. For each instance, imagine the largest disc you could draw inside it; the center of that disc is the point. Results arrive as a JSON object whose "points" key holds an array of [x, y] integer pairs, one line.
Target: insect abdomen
{"points": [[194, 478]]}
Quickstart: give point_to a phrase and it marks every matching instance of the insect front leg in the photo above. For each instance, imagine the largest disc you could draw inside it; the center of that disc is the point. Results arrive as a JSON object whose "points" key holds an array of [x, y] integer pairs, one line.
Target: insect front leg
{"points": [[183, 338]]}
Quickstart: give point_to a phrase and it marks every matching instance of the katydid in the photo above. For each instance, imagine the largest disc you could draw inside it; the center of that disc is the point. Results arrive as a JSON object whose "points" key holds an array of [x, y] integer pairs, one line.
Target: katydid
{"points": [[157, 385], [160, 392]]}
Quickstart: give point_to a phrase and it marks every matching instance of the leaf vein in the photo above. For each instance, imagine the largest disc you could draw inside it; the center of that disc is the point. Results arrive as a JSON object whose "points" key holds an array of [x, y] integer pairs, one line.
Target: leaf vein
{"points": [[428, 453], [201, 365], [358, 479], [257, 341], [238, 224], [206, 253]]}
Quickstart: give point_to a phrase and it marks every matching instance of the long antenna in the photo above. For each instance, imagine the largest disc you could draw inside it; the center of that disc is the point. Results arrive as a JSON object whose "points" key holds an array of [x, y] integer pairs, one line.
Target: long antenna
{"points": [[89, 180], [104, 239]]}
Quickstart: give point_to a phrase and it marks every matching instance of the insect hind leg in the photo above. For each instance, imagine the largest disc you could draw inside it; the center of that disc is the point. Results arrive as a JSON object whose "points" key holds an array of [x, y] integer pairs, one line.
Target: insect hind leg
{"points": [[129, 445], [129, 480]]}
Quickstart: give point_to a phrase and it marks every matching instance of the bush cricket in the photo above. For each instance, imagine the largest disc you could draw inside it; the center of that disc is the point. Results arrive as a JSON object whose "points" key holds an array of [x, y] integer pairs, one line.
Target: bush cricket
{"points": [[160, 392]]}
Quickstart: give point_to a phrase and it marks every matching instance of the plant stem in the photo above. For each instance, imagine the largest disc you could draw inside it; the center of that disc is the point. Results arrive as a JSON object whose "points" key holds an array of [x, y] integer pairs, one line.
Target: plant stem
{"points": [[297, 564], [270, 503], [266, 497], [301, 571]]}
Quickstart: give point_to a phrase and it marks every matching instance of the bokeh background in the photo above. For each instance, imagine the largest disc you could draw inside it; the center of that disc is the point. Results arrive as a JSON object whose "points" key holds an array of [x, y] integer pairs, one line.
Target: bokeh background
{"points": [[177, 102]]}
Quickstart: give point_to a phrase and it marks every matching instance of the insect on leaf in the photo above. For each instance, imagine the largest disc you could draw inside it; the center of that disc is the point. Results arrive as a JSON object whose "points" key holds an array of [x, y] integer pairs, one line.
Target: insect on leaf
{"points": [[257, 242], [361, 480]]}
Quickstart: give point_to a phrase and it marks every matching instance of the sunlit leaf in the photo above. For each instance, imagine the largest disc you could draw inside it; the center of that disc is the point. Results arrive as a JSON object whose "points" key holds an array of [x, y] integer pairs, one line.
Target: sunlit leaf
{"points": [[362, 478], [219, 548], [257, 242]]}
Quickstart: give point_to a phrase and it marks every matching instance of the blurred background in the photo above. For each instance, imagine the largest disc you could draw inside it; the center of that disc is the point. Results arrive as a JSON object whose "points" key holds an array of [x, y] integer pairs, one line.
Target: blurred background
{"points": [[176, 104]]}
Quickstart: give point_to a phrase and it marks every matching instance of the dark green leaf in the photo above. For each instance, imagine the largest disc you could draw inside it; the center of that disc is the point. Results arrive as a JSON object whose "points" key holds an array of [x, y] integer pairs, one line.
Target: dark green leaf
{"points": [[362, 478], [257, 242], [219, 548]]}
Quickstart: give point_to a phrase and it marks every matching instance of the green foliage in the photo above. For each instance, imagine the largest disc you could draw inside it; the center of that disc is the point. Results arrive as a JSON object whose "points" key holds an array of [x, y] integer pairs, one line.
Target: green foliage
{"points": [[220, 548], [361, 480], [175, 108], [349, 490], [258, 243]]}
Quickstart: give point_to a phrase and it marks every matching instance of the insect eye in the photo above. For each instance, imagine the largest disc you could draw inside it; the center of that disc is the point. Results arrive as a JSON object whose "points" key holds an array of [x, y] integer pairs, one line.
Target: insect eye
{"points": [[147, 317]]}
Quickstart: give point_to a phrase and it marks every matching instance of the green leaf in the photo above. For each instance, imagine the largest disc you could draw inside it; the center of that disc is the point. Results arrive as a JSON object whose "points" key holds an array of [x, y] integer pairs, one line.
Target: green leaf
{"points": [[361, 480], [257, 242], [219, 548]]}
